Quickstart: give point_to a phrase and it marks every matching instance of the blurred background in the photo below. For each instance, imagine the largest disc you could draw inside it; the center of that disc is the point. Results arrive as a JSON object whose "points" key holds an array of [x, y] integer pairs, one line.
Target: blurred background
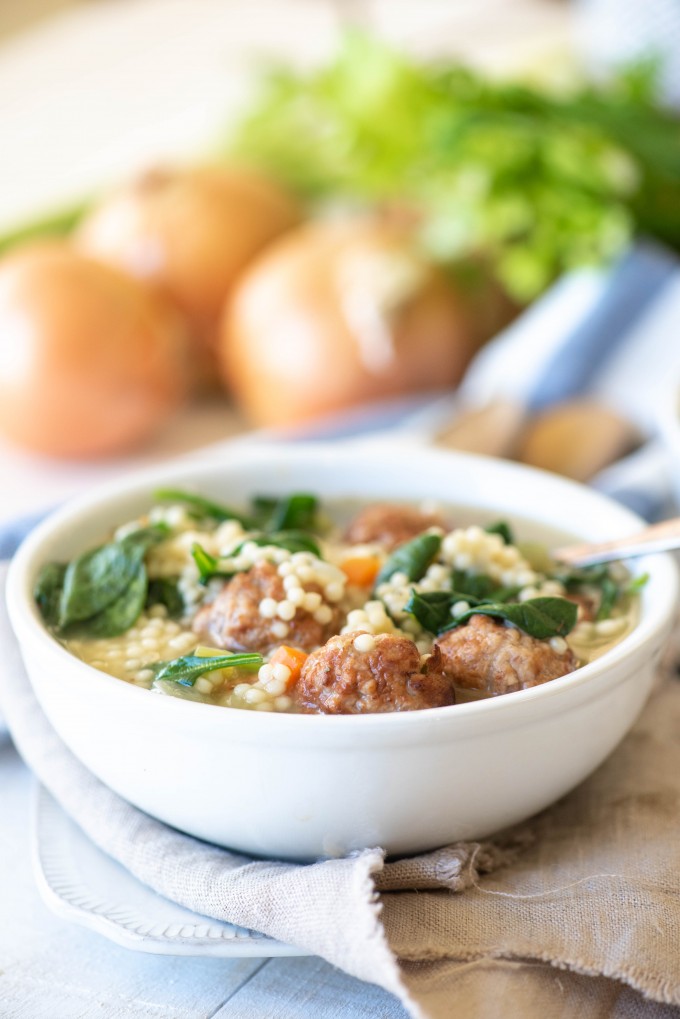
{"points": [[306, 217]]}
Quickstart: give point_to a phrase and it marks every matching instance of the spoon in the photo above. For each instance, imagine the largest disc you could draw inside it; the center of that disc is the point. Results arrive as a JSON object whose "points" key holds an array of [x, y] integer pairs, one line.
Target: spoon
{"points": [[661, 537]]}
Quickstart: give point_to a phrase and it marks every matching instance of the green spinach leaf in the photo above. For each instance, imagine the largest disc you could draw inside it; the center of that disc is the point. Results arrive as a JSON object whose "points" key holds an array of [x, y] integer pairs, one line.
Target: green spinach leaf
{"points": [[476, 587], [102, 585], [122, 613], [636, 584], [473, 585], [609, 595], [292, 541], [597, 577], [188, 668], [432, 609], [97, 578], [202, 508], [145, 537], [411, 558], [539, 617], [575, 577], [296, 512], [209, 566], [503, 529], [47, 591], [165, 591]]}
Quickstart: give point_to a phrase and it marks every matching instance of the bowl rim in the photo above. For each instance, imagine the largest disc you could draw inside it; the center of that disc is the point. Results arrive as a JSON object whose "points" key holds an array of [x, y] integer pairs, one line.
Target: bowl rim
{"points": [[27, 625]]}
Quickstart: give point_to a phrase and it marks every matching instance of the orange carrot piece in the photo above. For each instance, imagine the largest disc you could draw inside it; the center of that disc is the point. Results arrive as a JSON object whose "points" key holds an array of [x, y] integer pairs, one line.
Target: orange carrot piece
{"points": [[292, 658], [361, 570]]}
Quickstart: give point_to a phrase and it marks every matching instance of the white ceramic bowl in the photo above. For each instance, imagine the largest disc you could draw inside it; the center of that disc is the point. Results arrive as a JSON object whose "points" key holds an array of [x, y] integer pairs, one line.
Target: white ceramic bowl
{"points": [[299, 786]]}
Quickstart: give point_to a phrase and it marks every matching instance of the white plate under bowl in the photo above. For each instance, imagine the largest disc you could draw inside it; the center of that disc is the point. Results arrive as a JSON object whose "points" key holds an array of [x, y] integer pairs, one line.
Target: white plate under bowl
{"points": [[81, 883]]}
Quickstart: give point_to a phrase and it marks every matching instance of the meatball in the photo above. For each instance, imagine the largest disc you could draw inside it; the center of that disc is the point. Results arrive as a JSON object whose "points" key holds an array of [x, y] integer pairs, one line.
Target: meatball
{"points": [[233, 620], [487, 656], [340, 679], [390, 525]]}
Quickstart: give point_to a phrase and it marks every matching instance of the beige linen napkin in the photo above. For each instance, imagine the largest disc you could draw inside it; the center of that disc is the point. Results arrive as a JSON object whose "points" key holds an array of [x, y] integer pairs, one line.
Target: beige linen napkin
{"points": [[517, 926]]}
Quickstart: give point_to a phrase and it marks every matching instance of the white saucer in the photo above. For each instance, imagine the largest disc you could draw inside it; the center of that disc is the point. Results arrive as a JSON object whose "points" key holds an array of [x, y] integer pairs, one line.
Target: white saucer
{"points": [[81, 883]]}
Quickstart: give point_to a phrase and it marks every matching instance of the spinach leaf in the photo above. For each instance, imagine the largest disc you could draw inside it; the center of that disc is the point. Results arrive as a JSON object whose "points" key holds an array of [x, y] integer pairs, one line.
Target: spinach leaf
{"points": [[476, 587], [47, 591], [594, 576], [502, 528], [97, 578], [609, 595], [539, 617], [411, 558], [296, 512], [201, 508], [611, 591], [101, 587], [122, 613], [262, 507], [188, 668], [208, 565], [433, 609], [576, 577], [293, 541], [145, 537], [636, 584], [165, 591], [473, 585]]}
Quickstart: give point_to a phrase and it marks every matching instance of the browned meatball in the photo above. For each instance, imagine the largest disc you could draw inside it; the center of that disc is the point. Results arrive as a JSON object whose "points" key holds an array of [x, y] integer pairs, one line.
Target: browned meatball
{"points": [[340, 680], [390, 525], [487, 656], [233, 619]]}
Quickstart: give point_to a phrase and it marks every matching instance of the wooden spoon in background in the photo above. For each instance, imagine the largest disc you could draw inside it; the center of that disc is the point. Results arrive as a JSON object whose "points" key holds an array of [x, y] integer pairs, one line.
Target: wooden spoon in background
{"points": [[577, 438], [493, 429]]}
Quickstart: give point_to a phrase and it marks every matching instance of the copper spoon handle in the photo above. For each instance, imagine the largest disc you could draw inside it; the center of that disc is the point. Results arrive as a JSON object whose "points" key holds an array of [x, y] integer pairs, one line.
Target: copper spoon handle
{"points": [[661, 537]]}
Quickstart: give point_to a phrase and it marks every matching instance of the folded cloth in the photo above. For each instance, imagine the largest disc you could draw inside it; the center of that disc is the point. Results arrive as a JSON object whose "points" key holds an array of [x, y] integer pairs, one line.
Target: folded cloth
{"points": [[590, 886]]}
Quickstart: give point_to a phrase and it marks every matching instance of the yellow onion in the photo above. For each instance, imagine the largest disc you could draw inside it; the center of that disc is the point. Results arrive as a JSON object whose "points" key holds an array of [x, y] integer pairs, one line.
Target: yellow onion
{"points": [[90, 361], [189, 232], [337, 314]]}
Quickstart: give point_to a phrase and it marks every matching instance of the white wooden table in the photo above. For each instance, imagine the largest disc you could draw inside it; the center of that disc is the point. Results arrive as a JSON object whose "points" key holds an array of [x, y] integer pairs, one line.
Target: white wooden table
{"points": [[86, 97]]}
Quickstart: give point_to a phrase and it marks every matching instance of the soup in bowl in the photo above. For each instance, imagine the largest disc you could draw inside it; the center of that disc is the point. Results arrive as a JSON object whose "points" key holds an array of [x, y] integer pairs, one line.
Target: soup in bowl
{"points": [[303, 651]]}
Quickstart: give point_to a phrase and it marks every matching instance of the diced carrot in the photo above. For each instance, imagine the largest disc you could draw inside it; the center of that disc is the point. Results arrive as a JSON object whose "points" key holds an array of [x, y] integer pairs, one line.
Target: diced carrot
{"points": [[361, 570], [292, 658]]}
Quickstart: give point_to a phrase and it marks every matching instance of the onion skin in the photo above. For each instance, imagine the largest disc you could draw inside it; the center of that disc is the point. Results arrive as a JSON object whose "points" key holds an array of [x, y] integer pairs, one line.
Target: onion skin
{"points": [[91, 362], [320, 323], [189, 233]]}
